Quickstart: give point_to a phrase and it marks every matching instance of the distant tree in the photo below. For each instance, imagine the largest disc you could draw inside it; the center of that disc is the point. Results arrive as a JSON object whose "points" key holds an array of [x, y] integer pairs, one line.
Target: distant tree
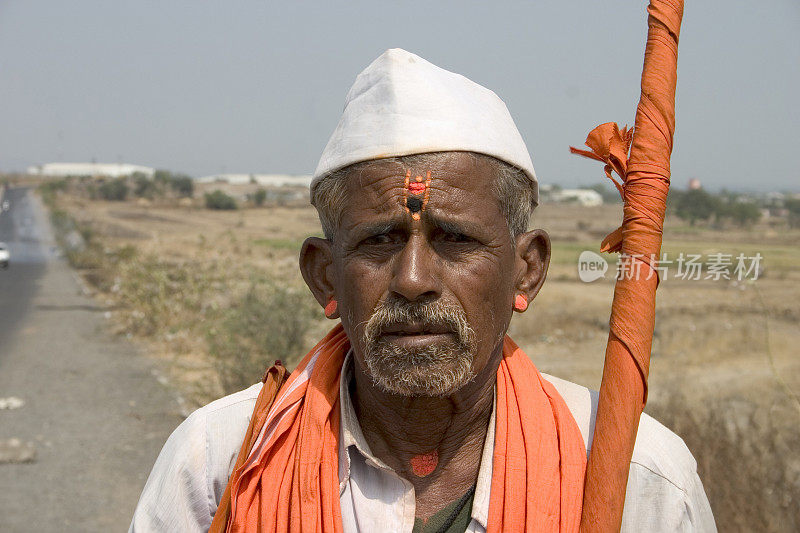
{"points": [[115, 190], [674, 198], [694, 205], [180, 184], [183, 185], [793, 206], [219, 200], [143, 186], [162, 176], [740, 213], [727, 196], [259, 196]]}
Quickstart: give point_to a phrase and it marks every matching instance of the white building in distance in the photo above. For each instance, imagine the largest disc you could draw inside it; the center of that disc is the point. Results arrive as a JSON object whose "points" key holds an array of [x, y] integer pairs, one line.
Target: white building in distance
{"points": [[266, 180], [584, 197], [111, 170]]}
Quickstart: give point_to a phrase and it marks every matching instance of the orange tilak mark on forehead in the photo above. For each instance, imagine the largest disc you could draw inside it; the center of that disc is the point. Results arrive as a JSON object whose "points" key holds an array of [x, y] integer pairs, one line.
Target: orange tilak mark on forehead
{"points": [[416, 194], [425, 463], [417, 187]]}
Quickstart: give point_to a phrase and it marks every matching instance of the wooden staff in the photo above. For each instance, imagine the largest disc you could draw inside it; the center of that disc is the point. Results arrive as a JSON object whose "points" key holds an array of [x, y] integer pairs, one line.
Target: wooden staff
{"points": [[645, 183]]}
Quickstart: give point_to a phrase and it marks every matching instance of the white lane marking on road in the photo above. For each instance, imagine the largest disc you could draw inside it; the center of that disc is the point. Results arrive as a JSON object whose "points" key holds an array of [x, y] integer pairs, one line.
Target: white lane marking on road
{"points": [[16, 451], [12, 402]]}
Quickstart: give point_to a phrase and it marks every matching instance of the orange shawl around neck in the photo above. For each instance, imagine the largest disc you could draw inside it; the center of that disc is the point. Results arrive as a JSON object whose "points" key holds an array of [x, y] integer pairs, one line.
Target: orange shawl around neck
{"points": [[287, 479]]}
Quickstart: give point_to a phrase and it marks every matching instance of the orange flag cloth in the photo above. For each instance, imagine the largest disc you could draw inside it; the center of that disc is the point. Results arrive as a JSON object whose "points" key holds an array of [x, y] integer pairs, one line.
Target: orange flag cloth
{"points": [[645, 175], [287, 474]]}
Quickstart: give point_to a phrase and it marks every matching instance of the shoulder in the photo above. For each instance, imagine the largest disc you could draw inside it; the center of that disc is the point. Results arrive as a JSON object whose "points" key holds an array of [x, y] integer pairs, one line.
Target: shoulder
{"points": [[225, 420], [664, 491], [217, 429], [656, 446], [190, 474]]}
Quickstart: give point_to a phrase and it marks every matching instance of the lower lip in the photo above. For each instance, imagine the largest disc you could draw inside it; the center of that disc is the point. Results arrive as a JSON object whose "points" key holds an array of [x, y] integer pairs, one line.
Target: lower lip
{"points": [[418, 340]]}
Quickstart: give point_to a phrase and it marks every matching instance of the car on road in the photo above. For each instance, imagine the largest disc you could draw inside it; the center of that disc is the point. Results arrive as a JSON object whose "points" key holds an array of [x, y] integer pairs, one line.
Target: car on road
{"points": [[4, 255], [6, 205]]}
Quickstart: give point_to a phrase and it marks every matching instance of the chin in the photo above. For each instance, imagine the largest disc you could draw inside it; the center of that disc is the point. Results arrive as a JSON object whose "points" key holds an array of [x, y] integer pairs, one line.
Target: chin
{"points": [[433, 371]]}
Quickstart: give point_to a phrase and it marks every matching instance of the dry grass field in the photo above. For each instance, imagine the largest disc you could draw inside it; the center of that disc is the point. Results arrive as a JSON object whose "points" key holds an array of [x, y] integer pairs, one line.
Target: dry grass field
{"points": [[191, 286]]}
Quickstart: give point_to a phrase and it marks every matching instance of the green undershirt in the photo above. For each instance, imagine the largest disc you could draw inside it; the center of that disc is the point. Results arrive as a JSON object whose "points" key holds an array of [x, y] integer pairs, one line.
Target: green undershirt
{"points": [[454, 518]]}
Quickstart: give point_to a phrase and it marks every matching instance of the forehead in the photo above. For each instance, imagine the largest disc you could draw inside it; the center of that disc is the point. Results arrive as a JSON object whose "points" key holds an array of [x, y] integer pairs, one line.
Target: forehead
{"points": [[461, 183]]}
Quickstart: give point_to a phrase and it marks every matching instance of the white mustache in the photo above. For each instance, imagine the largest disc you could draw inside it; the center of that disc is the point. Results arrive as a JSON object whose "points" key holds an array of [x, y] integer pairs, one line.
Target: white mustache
{"points": [[431, 314]]}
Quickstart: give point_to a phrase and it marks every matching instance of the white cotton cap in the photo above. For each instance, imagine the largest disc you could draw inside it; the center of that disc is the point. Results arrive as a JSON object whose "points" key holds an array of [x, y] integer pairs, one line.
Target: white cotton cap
{"points": [[401, 105]]}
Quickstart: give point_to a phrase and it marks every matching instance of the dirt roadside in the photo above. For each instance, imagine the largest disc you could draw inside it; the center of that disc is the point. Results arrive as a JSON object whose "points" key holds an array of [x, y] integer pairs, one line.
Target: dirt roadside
{"points": [[93, 411]]}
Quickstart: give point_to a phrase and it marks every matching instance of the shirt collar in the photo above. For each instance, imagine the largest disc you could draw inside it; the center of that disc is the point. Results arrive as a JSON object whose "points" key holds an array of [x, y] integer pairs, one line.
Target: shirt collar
{"points": [[351, 439]]}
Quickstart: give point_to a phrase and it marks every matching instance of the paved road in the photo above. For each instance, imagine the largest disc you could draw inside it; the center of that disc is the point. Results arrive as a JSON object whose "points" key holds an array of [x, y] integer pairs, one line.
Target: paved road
{"points": [[93, 411]]}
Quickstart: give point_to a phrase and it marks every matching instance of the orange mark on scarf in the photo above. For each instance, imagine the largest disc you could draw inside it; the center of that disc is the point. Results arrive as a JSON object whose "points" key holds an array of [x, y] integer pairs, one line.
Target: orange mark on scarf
{"points": [[425, 463]]}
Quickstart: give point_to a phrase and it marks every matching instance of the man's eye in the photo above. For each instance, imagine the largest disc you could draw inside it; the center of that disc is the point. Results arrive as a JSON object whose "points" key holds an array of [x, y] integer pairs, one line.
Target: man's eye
{"points": [[383, 238], [456, 237]]}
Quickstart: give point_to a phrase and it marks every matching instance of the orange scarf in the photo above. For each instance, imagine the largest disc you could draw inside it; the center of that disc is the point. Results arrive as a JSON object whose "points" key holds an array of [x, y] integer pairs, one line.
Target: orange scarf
{"points": [[287, 478]]}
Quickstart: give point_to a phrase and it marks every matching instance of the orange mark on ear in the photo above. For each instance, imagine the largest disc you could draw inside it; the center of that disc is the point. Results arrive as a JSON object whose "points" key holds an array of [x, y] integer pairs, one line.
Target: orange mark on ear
{"points": [[425, 463], [331, 308]]}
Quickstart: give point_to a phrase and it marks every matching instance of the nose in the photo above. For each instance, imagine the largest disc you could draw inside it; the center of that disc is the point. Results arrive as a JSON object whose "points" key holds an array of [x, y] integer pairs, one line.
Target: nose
{"points": [[415, 271]]}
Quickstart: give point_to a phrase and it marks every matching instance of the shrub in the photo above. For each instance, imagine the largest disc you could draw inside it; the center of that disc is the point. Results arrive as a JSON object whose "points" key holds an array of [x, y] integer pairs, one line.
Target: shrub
{"points": [[50, 189], [695, 205], [162, 176], [741, 213], [219, 200], [114, 190], [259, 196], [143, 186], [182, 185], [793, 207], [268, 322], [744, 445]]}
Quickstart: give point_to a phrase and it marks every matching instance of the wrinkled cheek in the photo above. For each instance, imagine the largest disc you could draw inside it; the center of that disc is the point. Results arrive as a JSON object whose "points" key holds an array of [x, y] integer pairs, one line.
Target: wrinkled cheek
{"points": [[360, 293], [491, 320]]}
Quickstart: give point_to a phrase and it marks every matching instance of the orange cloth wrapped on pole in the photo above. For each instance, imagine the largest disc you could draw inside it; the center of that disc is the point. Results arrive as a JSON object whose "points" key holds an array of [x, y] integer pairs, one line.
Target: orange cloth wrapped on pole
{"points": [[645, 183]]}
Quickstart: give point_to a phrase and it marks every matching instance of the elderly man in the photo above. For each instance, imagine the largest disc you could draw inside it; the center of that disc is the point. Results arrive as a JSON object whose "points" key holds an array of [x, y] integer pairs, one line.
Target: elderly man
{"points": [[417, 413]]}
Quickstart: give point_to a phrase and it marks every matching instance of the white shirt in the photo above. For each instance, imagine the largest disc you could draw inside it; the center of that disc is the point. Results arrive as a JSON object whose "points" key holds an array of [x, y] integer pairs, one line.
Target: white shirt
{"points": [[373, 496], [664, 492]]}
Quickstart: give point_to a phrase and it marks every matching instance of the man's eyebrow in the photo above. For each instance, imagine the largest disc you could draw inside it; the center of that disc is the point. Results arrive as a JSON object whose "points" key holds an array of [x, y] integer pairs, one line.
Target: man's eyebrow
{"points": [[452, 226], [378, 228], [437, 221]]}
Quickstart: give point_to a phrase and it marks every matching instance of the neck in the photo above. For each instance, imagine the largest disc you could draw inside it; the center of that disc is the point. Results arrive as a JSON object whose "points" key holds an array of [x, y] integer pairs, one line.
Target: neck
{"points": [[423, 437]]}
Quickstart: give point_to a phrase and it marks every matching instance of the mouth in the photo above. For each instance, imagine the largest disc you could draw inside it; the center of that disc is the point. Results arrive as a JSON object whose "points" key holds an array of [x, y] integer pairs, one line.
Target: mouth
{"points": [[416, 334], [415, 328]]}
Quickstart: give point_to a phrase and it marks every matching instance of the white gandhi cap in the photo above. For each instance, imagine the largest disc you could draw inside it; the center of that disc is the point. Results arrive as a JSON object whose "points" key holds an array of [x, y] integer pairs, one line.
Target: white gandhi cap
{"points": [[402, 105]]}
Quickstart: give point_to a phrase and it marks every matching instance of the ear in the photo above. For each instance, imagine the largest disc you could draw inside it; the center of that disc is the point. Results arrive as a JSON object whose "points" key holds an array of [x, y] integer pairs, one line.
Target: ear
{"points": [[316, 265], [533, 259]]}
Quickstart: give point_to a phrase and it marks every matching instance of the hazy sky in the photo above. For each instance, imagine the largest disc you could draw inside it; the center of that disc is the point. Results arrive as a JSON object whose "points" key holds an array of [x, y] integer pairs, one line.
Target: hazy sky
{"points": [[250, 86]]}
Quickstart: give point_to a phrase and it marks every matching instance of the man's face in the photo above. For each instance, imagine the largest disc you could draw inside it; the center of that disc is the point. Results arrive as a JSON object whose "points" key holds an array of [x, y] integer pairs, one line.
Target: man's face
{"points": [[424, 272]]}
